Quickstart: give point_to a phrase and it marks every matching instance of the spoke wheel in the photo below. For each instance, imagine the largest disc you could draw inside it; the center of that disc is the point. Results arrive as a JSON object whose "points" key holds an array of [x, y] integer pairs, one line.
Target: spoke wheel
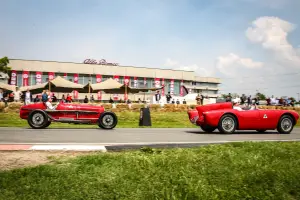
{"points": [[227, 124], [285, 124], [108, 120], [37, 120]]}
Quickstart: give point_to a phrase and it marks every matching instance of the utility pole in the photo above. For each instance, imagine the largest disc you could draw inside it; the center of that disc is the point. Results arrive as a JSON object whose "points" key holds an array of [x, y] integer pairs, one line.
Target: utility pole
{"points": [[298, 97]]}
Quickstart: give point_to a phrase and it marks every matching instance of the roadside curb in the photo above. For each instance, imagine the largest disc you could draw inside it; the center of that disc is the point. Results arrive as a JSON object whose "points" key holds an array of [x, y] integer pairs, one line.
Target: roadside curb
{"points": [[119, 146], [19, 147]]}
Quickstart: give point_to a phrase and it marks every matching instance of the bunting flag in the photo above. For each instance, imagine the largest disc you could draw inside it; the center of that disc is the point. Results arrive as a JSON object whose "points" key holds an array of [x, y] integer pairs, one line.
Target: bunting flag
{"points": [[135, 82], [13, 78], [157, 82], [126, 80], [75, 81], [98, 80], [51, 76], [172, 87], [25, 76], [117, 78], [163, 89], [38, 77], [181, 88]]}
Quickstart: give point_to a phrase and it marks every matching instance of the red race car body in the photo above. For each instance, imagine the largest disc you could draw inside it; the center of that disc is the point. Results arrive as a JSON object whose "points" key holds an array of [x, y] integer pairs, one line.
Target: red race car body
{"points": [[38, 116], [224, 117]]}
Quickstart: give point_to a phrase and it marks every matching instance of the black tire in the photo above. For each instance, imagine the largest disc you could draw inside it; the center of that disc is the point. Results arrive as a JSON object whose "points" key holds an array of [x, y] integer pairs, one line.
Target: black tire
{"points": [[230, 126], [208, 129], [48, 123], [37, 119], [108, 120], [285, 124], [261, 131]]}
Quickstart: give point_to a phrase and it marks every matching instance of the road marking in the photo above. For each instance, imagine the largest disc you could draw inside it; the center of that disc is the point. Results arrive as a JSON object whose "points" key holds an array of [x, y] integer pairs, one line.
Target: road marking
{"points": [[69, 147]]}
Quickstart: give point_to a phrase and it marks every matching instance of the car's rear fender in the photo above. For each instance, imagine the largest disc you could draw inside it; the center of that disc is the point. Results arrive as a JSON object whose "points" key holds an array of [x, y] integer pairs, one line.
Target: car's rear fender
{"points": [[193, 116]]}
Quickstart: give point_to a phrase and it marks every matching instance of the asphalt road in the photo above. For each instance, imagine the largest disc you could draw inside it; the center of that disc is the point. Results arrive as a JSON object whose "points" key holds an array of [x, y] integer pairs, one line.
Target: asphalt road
{"points": [[127, 136]]}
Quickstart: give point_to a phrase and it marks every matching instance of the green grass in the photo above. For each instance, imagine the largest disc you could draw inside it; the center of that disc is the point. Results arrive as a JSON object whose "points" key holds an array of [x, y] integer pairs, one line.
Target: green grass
{"points": [[125, 120], [232, 171]]}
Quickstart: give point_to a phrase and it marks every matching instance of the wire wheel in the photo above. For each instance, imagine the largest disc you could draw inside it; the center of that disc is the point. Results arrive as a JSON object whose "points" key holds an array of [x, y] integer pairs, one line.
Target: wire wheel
{"points": [[286, 124], [38, 119], [107, 120], [228, 124]]}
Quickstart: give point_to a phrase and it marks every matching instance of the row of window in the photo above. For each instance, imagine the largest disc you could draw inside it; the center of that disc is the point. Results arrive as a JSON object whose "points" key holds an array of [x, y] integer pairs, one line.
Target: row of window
{"points": [[84, 79]]}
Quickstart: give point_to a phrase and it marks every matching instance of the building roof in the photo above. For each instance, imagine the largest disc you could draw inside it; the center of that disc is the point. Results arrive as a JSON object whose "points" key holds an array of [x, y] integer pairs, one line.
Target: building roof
{"points": [[82, 68]]}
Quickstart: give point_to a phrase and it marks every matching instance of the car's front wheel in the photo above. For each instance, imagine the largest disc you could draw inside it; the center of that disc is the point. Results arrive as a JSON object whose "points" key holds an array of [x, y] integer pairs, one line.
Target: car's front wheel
{"points": [[207, 129], [107, 120], [285, 124], [227, 124], [37, 120]]}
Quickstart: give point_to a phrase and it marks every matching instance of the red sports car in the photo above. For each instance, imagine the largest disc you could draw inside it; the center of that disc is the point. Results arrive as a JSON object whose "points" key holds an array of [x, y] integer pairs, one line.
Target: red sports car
{"points": [[223, 117], [38, 116]]}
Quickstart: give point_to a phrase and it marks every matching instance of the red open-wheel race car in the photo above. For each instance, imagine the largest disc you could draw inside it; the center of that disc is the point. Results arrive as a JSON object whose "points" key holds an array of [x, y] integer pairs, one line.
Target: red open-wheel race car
{"points": [[38, 116], [226, 119]]}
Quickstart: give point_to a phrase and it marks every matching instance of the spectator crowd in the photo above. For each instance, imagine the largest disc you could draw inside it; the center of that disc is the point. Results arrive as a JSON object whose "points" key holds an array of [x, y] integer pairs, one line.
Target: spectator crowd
{"points": [[249, 100]]}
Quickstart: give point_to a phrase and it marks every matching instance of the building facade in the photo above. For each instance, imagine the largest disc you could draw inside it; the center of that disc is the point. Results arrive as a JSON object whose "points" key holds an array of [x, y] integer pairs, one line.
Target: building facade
{"points": [[31, 72]]}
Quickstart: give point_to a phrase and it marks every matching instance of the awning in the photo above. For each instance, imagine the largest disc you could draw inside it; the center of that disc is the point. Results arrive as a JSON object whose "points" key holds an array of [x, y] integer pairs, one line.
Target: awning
{"points": [[8, 87]]}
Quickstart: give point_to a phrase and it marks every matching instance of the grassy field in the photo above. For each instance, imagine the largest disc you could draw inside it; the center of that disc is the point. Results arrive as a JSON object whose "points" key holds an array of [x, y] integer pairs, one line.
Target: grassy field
{"points": [[231, 171], [126, 120]]}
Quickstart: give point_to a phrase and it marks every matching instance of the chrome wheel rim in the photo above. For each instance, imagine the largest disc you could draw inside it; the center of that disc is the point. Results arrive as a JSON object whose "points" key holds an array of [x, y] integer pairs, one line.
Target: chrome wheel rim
{"points": [[38, 119], [108, 120], [228, 124], [286, 124]]}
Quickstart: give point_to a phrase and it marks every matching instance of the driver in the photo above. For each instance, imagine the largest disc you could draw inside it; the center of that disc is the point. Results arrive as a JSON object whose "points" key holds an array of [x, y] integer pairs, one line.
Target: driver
{"points": [[49, 105], [236, 105]]}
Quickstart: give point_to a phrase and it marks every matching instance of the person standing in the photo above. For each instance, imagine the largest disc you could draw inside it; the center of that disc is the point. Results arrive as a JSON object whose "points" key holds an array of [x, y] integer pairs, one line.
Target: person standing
{"points": [[157, 97], [28, 97], [168, 97], [199, 99]]}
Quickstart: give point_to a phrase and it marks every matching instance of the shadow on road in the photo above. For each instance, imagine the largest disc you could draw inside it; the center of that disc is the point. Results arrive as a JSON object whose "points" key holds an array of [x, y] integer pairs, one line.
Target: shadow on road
{"points": [[235, 133]]}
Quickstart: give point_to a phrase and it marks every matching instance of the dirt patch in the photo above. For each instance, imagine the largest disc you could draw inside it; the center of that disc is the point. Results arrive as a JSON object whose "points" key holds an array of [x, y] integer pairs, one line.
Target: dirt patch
{"points": [[19, 159]]}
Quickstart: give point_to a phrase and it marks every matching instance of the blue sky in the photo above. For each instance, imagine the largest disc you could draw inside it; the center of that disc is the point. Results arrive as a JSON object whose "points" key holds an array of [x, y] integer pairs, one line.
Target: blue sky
{"points": [[214, 37]]}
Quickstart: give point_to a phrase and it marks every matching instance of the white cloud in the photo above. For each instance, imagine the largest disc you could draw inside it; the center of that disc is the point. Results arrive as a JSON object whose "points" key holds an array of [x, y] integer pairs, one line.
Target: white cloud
{"points": [[193, 67], [271, 33], [232, 63]]}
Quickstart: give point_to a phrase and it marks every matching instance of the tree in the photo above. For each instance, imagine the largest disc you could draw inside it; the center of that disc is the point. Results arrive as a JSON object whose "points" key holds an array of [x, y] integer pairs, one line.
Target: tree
{"points": [[261, 96], [3, 65]]}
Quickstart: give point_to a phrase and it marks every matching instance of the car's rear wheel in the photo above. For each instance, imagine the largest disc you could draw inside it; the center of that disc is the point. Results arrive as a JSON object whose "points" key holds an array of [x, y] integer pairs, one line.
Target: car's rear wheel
{"points": [[285, 124], [107, 120], [261, 131], [227, 124], [207, 128], [48, 123], [37, 120]]}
